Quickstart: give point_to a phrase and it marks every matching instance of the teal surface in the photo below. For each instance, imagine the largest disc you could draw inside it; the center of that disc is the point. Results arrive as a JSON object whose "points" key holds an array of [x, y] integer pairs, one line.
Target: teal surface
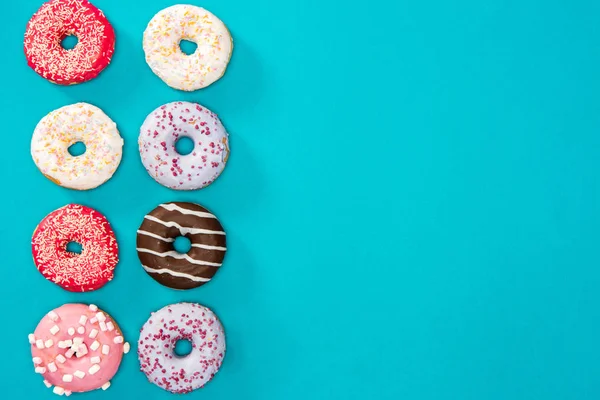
{"points": [[412, 199]]}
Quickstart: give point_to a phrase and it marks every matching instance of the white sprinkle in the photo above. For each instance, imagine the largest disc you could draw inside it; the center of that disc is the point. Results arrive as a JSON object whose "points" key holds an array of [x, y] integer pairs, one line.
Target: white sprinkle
{"points": [[95, 360], [40, 370], [93, 307], [61, 359], [100, 316], [110, 326], [67, 378], [118, 339], [69, 353], [82, 351], [105, 349], [48, 384], [39, 344], [31, 338], [94, 333], [93, 320], [78, 340], [71, 331], [62, 345], [93, 369], [58, 390], [94, 346], [52, 367], [37, 360], [68, 393], [54, 330], [53, 316], [81, 330], [106, 386], [79, 374], [82, 320], [49, 343], [103, 327], [126, 348]]}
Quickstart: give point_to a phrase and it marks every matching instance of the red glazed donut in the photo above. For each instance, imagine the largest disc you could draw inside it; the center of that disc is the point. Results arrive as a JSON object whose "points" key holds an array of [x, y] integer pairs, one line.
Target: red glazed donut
{"points": [[84, 272], [58, 19]]}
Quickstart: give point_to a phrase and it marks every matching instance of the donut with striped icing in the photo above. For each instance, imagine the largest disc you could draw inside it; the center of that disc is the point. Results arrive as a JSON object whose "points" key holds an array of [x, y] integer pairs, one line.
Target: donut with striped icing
{"points": [[156, 347], [77, 348], [84, 272], [57, 19], [177, 69], [157, 234]]}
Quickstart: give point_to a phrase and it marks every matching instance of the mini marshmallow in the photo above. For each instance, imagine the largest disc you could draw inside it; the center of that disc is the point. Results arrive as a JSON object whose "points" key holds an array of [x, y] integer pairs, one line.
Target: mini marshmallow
{"points": [[49, 343], [31, 338], [79, 374], [62, 345], [68, 393], [69, 353], [93, 307], [71, 331], [94, 333], [126, 348], [82, 320], [37, 360], [100, 316], [48, 384], [52, 367], [67, 378], [61, 359], [93, 320], [81, 330], [93, 369], [58, 390], [118, 339], [53, 316], [82, 351], [95, 346], [105, 349], [54, 330], [95, 360], [40, 370], [103, 327], [78, 340], [39, 344], [110, 326], [106, 386]]}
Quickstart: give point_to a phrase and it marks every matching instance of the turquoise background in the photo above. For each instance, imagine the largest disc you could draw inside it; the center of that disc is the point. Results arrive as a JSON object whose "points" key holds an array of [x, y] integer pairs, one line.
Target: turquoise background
{"points": [[412, 199]]}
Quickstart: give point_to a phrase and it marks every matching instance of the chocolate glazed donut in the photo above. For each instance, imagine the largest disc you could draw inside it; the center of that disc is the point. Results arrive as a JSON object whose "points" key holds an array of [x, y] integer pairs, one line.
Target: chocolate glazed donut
{"points": [[159, 258]]}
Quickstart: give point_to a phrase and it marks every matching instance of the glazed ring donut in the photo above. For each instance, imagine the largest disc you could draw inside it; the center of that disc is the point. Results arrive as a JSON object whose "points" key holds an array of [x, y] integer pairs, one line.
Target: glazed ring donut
{"points": [[167, 124], [177, 69], [182, 321], [158, 256], [58, 19], [68, 125], [77, 348], [84, 272]]}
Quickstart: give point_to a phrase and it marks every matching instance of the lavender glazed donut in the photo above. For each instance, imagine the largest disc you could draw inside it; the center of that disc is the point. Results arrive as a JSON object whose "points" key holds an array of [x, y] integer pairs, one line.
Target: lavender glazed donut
{"points": [[164, 127]]}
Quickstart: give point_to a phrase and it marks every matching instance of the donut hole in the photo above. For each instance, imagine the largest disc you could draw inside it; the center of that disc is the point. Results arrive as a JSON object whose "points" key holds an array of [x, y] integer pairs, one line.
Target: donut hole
{"points": [[77, 149], [182, 244], [183, 347], [74, 247], [68, 42], [187, 47], [184, 145]]}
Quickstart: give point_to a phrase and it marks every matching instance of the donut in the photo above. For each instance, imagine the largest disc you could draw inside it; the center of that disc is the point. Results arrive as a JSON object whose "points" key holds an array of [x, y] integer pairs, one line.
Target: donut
{"points": [[68, 125], [182, 321], [177, 69], [57, 19], [156, 236], [170, 122], [77, 348], [84, 272]]}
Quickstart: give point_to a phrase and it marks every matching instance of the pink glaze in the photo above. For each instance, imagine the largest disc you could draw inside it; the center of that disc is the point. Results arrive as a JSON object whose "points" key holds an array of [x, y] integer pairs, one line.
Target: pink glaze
{"points": [[69, 316]]}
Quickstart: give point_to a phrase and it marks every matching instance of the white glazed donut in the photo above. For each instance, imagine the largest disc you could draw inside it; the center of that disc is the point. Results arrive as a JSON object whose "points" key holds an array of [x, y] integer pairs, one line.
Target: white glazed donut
{"points": [[177, 69], [159, 335], [170, 122], [68, 125]]}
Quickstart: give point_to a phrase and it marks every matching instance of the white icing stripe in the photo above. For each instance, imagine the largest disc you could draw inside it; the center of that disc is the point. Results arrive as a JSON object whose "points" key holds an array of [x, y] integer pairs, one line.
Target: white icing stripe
{"points": [[175, 207], [176, 274], [179, 256], [182, 229], [207, 247], [154, 235]]}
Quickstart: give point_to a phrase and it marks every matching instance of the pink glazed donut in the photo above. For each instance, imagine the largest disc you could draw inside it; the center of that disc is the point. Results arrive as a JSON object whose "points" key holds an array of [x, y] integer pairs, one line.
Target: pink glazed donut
{"points": [[77, 348], [159, 335], [167, 124]]}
